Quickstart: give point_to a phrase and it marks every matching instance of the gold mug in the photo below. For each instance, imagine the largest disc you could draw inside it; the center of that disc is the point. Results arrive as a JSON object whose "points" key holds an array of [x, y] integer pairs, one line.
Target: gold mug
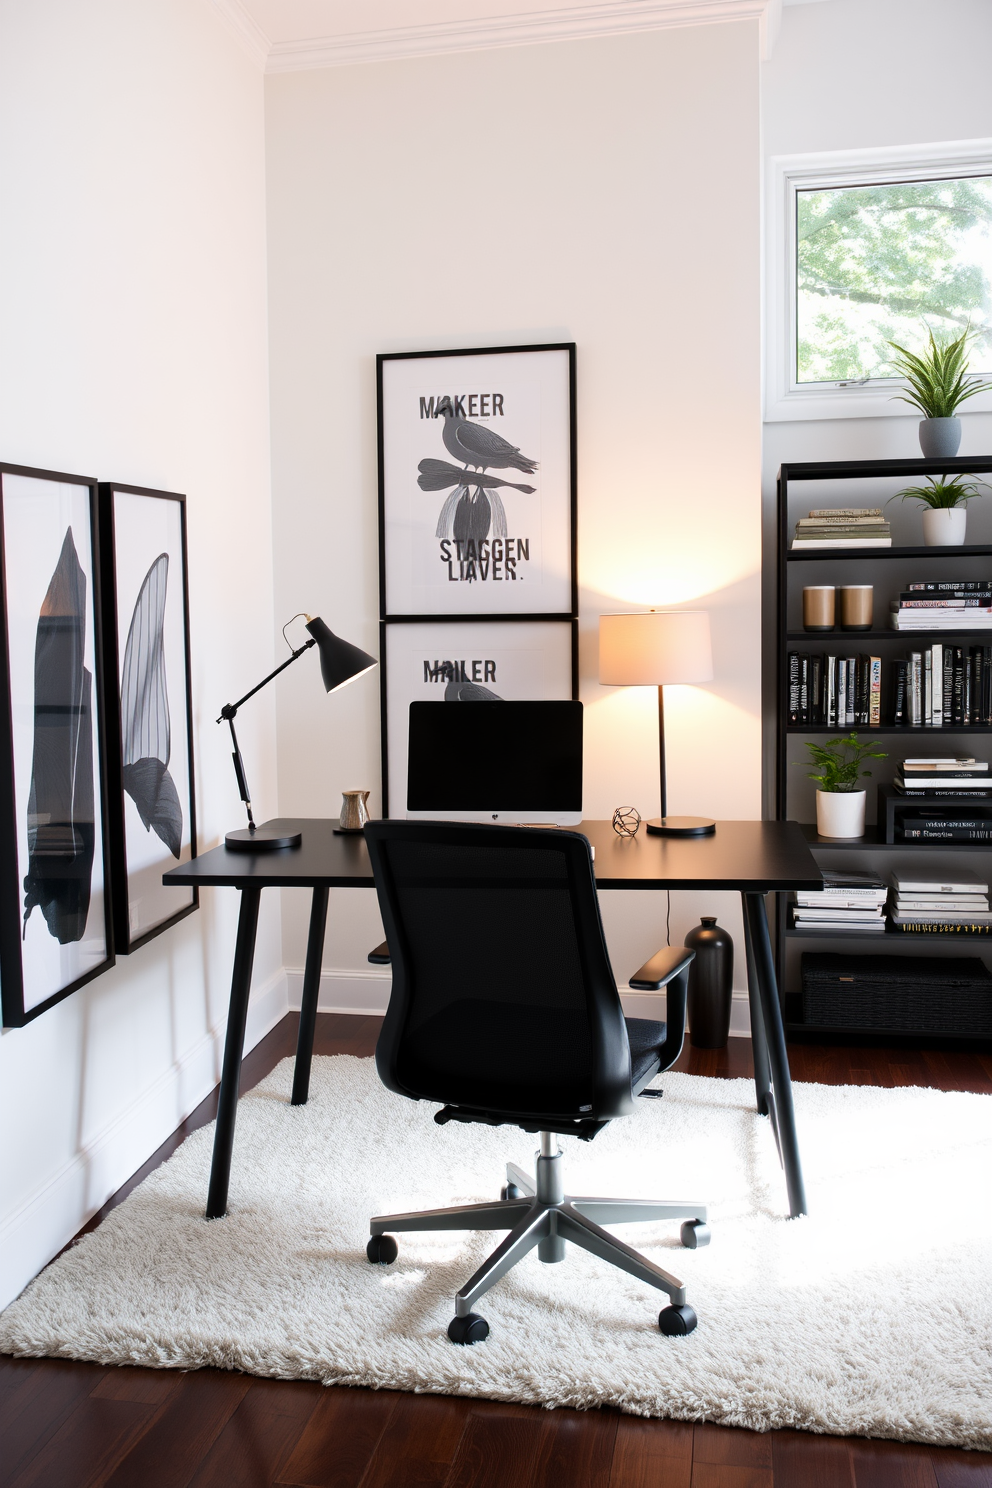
{"points": [[354, 810]]}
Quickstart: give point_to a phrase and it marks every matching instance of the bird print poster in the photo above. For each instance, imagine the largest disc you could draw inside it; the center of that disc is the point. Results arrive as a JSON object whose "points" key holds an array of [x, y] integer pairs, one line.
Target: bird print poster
{"points": [[451, 662], [150, 659], [54, 909], [477, 483]]}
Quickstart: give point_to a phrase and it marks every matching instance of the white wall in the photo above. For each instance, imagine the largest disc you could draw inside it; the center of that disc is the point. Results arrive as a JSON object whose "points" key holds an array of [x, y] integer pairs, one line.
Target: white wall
{"points": [[133, 325], [601, 191]]}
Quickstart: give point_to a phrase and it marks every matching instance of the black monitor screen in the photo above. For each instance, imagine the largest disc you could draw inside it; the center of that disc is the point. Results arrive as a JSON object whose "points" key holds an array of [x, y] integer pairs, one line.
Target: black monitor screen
{"points": [[495, 756]]}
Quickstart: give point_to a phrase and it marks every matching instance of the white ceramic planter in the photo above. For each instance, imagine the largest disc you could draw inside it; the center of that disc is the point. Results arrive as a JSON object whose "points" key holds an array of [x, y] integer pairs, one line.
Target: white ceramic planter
{"points": [[840, 813], [944, 526]]}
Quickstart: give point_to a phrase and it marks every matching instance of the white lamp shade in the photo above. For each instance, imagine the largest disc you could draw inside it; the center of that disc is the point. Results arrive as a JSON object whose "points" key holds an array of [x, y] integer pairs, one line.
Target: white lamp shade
{"points": [[649, 650]]}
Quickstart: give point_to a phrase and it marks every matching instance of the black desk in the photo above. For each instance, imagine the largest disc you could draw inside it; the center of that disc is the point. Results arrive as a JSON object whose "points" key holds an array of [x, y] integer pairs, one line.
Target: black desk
{"points": [[752, 857]]}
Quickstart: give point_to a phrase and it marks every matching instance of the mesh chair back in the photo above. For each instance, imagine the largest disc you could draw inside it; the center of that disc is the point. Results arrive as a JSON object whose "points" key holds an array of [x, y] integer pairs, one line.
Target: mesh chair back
{"points": [[503, 998]]}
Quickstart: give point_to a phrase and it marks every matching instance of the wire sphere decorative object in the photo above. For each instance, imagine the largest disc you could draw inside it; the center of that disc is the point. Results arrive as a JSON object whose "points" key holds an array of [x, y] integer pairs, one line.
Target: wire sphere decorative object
{"points": [[626, 820]]}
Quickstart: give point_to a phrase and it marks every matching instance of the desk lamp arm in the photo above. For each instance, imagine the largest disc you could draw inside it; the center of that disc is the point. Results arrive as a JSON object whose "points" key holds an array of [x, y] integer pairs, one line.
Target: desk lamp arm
{"points": [[228, 714]]}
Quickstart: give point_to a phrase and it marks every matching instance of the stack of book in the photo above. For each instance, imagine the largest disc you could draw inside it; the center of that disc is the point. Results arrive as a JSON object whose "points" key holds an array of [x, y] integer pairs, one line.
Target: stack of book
{"points": [[949, 605], [962, 779], [843, 527], [932, 906], [851, 903], [943, 685], [835, 691]]}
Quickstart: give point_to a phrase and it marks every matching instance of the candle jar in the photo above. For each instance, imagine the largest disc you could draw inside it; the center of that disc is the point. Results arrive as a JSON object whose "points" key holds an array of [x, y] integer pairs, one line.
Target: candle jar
{"points": [[819, 607], [856, 605]]}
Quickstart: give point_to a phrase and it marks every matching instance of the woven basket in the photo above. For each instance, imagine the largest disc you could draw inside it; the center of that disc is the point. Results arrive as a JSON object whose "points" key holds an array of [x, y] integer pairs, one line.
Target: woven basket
{"points": [[896, 994]]}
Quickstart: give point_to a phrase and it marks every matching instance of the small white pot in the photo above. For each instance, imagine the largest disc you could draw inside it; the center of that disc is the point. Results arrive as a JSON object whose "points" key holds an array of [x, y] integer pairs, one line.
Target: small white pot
{"points": [[840, 813], [944, 526]]}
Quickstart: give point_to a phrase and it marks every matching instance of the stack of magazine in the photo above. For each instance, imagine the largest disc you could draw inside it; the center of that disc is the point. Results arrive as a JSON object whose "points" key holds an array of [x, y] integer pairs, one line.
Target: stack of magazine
{"points": [[950, 605], [932, 906], [851, 903], [950, 800], [843, 527]]}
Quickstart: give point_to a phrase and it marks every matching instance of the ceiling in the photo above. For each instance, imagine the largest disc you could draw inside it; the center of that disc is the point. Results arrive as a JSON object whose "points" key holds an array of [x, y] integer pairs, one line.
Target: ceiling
{"points": [[291, 35]]}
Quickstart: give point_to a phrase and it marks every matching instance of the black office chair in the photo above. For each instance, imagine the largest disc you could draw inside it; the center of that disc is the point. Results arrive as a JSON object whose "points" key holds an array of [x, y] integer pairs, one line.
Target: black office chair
{"points": [[504, 1009]]}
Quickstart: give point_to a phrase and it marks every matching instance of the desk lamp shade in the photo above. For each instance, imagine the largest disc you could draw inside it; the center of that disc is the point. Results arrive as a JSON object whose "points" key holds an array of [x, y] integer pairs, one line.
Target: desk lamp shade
{"points": [[340, 662], [649, 650]]}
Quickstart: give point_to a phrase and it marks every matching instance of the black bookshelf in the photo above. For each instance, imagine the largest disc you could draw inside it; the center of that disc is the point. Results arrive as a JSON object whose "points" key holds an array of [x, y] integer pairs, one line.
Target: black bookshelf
{"points": [[861, 479]]}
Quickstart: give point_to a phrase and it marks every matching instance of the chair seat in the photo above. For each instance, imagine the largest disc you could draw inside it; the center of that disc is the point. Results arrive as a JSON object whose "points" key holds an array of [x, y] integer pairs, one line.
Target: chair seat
{"points": [[645, 1039]]}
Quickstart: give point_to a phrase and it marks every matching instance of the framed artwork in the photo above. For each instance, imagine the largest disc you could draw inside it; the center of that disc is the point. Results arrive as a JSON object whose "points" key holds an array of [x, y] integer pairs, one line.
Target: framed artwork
{"points": [[149, 707], [477, 486], [55, 919], [471, 661]]}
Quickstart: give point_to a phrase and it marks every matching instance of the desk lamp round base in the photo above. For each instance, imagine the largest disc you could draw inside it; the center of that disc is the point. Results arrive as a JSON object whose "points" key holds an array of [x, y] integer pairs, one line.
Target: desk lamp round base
{"points": [[263, 839], [681, 826]]}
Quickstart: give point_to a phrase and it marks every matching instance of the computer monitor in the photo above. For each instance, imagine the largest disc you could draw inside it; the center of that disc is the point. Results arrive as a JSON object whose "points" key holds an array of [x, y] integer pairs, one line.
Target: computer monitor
{"points": [[495, 762]]}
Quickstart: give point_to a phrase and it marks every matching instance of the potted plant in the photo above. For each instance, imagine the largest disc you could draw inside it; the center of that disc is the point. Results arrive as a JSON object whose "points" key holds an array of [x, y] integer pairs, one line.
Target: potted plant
{"points": [[945, 517], [840, 805], [938, 385]]}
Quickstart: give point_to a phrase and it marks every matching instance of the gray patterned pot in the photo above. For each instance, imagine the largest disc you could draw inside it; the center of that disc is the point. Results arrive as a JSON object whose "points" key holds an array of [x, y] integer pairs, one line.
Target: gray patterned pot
{"points": [[940, 438]]}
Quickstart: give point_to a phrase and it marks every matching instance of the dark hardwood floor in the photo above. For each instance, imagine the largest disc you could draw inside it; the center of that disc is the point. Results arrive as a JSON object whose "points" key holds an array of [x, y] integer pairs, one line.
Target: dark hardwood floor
{"points": [[67, 1425]]}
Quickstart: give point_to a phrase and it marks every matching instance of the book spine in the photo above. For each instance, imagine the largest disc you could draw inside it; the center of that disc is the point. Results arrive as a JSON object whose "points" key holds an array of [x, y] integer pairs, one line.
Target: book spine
{"points": [[947, 834], [899, 708], [850, 717], [947, 705], [966, 682], [972, 602], [816, 689], [915, 688], [935, 927], [954, 585], [937, 694], [793, 687], [928, 686], [831, 719], [804, 688], [875, 692], [958, 686]]}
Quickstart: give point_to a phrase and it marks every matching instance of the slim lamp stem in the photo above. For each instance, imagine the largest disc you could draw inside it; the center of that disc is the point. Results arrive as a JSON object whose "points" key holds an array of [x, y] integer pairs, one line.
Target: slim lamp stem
{"points": [[661, 751], [239, 770]]}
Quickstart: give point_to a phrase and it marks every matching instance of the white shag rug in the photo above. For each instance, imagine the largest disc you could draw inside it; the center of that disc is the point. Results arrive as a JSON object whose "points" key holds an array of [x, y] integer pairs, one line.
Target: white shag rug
{"points": [[872, 1316]]}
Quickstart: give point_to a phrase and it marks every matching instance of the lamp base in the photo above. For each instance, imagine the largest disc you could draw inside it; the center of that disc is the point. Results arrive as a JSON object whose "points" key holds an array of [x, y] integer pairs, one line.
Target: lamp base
{"points": [[263, 839], [681, 826]]}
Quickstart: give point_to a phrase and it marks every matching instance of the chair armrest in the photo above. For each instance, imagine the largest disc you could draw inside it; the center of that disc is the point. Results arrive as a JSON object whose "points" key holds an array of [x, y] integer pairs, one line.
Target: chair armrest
{"points": [[380, 956], [659, 971]]}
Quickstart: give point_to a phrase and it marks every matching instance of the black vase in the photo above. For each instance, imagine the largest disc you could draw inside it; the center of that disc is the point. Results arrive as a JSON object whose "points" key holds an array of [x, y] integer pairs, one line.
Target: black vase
{"points": [[711, 984]]}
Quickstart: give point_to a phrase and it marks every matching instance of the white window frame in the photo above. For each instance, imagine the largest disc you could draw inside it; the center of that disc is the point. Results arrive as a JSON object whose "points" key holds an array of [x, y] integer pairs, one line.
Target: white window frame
{"points": [[786, 399]]}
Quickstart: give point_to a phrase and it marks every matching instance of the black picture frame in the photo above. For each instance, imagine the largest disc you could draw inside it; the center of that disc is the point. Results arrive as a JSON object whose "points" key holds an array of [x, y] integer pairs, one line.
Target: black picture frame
{"points": [[56, 923], [562, 632], [555, 435], [150, 814]]}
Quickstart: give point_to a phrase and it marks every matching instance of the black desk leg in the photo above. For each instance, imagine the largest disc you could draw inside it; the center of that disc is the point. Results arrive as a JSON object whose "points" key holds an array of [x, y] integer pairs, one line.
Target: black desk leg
{"points": [[778, 1059], [311, 990], [759, 1044], [237, 1014]]}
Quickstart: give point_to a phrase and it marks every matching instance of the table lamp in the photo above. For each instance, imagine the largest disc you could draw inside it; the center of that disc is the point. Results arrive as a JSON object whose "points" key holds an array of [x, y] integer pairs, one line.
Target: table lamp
{"points": [[340, 663], [648, 650]]}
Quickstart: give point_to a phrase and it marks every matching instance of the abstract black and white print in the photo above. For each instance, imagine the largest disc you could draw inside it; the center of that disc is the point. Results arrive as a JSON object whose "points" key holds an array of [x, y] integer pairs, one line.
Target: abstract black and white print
{"points": [[476, 482], [146, 728], [148, 568], [56, 864]]}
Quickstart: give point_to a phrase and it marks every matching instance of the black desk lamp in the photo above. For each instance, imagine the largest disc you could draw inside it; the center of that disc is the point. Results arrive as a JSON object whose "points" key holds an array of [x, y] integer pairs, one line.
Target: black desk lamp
{"points": [[340, 662]]}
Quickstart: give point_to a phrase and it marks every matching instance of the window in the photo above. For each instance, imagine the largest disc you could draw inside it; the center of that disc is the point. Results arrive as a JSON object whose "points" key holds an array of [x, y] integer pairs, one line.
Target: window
{"points": [[868, 250]]}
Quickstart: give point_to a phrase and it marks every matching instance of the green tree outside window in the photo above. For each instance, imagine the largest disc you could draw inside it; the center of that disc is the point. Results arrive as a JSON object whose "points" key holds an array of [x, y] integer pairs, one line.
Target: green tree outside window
{"points": [[883, 263]]}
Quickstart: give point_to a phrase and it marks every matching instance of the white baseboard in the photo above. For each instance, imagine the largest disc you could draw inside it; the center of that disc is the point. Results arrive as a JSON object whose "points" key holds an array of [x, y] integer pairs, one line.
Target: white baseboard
{"points": [[368, 992], [47, 1220]]}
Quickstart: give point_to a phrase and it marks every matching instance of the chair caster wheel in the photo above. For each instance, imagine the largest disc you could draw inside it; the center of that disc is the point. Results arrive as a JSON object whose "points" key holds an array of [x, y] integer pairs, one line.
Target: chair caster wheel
{"points": [[676, 1322], [382, 1249], [468, 1329], [511, 1191], [694, 1234]]}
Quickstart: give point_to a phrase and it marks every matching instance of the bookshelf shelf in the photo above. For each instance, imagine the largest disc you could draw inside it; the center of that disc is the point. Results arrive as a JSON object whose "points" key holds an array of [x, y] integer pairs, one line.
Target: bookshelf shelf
{"points": [[818, 640], [891, 729], [855, 483], [874, 838], [844, 555]]}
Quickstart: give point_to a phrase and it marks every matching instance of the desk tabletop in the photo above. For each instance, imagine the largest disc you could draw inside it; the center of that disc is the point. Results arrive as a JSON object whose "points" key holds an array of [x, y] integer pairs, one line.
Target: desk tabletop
{"points": [[750, 856]]}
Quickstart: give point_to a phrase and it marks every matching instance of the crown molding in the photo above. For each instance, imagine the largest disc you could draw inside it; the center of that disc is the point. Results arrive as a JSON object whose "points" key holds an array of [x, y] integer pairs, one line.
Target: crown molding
{"points": [[571, 24], [251, 36]]}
